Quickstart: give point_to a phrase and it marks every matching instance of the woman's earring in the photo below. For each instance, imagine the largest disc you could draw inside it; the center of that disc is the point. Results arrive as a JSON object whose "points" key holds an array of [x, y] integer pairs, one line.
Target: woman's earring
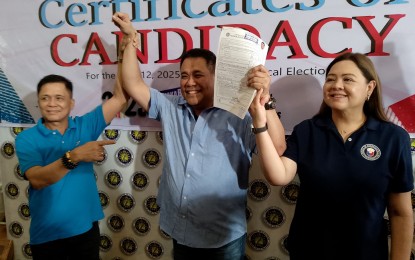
{"points": [[368, 96]]}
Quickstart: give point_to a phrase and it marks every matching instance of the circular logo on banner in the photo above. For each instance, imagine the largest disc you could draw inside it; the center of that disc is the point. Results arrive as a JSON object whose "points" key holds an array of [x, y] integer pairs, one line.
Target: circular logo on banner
{"points": [[164, 234], [259, 190], [150, 205], [113, 178], [115, 222], [124, 156], [24, 211], [103, 160], [151, 158], [18, 172], [138, 136], [104, 199], [12, 190], [290, 192], [16, 130], [273, 217], [128, 246], [112, 134], [27, 251], [283, 244], [141, 226], [159, 137], [7, 149], [248, 213], [105, 243], [139, 180], [16, 229], [258, 240], [370, 152], [126, 202], [154, 249]]}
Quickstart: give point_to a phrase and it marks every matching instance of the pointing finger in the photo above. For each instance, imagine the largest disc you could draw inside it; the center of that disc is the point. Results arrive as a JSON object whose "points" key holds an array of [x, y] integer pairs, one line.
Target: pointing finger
{"points": [[106, 142]]}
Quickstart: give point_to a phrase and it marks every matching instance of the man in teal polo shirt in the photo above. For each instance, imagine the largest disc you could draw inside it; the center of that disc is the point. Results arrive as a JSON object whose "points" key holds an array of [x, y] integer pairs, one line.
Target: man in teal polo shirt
{"points": [[56, 156]]}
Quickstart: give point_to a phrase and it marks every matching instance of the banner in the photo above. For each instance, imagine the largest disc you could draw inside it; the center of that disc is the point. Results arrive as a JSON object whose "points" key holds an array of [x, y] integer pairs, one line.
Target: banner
{"points": [[78, 40]]}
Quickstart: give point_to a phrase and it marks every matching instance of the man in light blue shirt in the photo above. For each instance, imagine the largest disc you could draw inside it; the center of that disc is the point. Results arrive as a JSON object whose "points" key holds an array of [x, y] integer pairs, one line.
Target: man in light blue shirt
{"points": [[207, 153]]}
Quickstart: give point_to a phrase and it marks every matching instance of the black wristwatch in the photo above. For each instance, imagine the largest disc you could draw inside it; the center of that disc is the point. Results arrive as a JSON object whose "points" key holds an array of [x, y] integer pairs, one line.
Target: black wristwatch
{"points": [[260, 129], [271, 104]]}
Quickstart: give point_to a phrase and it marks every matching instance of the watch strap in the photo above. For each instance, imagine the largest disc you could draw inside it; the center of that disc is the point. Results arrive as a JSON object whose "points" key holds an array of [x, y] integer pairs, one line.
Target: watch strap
{"points": [[260, 129]]}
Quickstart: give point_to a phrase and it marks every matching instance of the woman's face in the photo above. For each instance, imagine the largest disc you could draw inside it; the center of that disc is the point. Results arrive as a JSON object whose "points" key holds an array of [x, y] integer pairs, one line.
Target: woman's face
{"points": [[345, 87]]}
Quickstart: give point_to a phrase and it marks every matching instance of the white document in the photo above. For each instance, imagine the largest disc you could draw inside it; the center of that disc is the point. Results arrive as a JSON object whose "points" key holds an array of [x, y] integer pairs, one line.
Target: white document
{"points": [[239, 51]]}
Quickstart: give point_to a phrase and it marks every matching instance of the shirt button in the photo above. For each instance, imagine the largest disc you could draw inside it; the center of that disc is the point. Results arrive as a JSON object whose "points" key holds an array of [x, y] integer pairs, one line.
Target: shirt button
{"points": [[184, 197], [54, 133], [193, 154], [349, 139], [183, 216], [63, 142], [188, 175]]}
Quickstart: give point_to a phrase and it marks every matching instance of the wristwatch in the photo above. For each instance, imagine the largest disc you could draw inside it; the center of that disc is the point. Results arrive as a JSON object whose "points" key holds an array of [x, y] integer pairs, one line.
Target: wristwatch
{"points": [[271, 104], [260, 129]]}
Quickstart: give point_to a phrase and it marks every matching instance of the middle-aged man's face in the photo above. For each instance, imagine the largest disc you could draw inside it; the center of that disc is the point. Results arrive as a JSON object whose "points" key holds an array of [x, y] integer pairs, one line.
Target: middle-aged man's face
{"points": [[55, 102], [197, 83]]}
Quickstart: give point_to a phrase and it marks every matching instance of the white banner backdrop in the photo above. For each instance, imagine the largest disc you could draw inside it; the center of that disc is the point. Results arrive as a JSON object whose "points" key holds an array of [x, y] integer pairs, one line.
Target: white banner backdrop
{"points": [[77, 39]]}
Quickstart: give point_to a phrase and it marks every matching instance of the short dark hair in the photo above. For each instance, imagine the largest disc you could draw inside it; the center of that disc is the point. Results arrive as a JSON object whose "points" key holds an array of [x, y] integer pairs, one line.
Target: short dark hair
{"points": [[209, 57], [52, 78]]}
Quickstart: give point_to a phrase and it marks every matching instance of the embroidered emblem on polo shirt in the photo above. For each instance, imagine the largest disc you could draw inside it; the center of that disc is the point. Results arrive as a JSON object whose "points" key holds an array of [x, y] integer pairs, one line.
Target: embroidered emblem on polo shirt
{"points": [[138, 136], [105, 243], [126, 202], [273, 217], [150, 205], [370, 152], [27, 251], [7, 149], [115, 222], [139, 180], [259, 190], [113, 178], [258, 240], [154, 249], [283, 244], [128, 246], [16, 229], [112, 134], [104, 199], [290, 192], [12, 190], [24, 211], [141, 226], [124, 156], [151, 158], [16, 130]]}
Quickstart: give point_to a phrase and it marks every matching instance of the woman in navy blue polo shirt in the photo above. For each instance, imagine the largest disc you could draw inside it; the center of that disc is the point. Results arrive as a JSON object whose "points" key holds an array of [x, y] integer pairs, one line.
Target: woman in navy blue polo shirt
{"points": [[353, 165]]}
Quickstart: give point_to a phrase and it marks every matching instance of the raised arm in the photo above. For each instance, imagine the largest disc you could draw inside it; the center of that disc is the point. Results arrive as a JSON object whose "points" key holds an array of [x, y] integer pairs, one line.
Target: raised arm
{"points": [[118, 101], [132, 81], [258, 78], [276, 169]]}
